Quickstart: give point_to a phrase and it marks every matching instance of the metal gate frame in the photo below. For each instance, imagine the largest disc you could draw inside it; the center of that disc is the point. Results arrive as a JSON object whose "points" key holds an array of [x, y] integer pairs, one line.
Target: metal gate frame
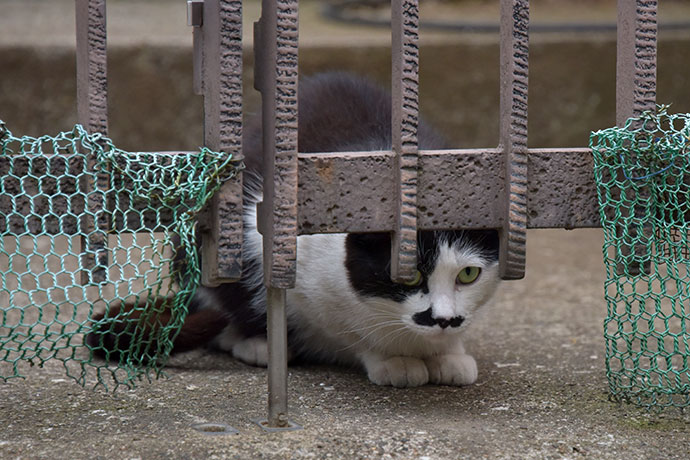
{"points": [[511, 187]]}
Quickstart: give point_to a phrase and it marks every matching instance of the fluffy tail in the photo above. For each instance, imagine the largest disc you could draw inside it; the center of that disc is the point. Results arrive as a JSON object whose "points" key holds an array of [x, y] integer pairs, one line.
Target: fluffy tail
{"points": [[119, 329]]}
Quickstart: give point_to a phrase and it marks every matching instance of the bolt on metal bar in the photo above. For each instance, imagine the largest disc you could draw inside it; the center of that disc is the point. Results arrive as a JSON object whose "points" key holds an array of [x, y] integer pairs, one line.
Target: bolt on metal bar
{"points": [[221, 84], [92, 113], [635, 94], [514, 53], [275, 48], [405, 119]]}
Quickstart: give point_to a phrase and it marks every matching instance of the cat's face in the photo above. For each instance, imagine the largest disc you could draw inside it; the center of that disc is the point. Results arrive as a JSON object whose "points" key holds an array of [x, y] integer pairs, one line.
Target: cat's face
{"points": [[457, 274]]}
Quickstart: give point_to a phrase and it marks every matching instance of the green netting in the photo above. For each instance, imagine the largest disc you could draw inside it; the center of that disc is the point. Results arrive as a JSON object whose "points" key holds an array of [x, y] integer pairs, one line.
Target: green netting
{"points": [[643, 183], [49, 214]]}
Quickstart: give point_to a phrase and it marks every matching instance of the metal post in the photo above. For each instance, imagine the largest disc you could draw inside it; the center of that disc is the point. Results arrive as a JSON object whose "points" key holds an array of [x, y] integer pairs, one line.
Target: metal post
{"points": [[635, 93], [636, 58], [405, 118], [513, 136], [277, 362], [219, 39], [275, 76], [92, 114]]}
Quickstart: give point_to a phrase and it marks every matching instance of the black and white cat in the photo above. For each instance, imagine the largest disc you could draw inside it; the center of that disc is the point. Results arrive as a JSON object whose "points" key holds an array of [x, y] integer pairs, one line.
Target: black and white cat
{"points": [[344, 307]]}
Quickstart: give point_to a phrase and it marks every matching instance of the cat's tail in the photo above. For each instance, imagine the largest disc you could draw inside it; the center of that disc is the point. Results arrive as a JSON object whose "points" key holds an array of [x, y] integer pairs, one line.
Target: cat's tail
{"points": [[120, 328]]}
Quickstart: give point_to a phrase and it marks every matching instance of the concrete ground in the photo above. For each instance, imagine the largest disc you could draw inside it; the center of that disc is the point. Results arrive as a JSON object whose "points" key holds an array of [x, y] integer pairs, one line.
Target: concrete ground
{"points": [[541, 393]]}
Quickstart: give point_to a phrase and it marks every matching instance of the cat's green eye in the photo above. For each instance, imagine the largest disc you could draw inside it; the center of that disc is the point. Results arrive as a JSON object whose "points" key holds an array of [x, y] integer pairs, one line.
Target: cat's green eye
{"points": [[467, 275], [416, 281]]}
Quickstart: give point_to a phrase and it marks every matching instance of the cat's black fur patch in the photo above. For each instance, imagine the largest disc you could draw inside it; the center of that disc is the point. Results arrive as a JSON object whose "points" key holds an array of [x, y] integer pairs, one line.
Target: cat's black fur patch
{"points": [[368, 258], [339, 112], [426, 318]]}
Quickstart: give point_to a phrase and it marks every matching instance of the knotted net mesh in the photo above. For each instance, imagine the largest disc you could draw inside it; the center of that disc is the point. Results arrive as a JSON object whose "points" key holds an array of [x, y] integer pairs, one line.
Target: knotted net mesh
{"points": [[87, 228], [643, 182]]}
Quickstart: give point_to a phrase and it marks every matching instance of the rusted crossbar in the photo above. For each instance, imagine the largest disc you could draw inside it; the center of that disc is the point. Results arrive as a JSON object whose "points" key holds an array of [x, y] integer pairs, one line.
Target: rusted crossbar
{"points": [[355, 192]]}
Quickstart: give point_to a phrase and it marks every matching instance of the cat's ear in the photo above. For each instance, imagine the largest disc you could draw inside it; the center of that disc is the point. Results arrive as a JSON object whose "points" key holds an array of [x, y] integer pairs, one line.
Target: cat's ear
{"points": [[375, 241]]}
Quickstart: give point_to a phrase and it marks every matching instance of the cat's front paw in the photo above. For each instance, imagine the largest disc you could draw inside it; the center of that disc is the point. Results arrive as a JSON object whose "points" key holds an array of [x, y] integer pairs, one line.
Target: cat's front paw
{"points": [[400, 372], [452, 369], [252, 351]]}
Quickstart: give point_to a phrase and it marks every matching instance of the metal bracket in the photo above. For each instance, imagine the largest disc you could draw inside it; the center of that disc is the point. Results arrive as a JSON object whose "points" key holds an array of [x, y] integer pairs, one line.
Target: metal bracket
{"points": [[195, 13], [195, 18]]}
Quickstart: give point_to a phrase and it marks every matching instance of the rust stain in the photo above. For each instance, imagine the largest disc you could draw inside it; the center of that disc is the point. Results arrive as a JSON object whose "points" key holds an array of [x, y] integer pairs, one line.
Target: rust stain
{"points": [[324, 169]]}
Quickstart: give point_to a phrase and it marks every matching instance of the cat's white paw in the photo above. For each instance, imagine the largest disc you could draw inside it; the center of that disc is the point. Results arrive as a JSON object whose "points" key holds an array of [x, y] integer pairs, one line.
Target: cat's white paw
{"points": [[452, 369], [253, 350], [400, 371]]}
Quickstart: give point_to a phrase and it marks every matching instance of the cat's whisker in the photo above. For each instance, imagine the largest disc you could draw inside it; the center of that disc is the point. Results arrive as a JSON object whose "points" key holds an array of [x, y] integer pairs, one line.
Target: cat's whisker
{"points": [[367, 327], [400, 325], [398, 332], [380, 326]]}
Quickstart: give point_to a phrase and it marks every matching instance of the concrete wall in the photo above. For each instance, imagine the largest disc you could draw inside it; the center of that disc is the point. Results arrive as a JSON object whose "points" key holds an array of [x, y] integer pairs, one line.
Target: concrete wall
{"points": [[152, 107]]}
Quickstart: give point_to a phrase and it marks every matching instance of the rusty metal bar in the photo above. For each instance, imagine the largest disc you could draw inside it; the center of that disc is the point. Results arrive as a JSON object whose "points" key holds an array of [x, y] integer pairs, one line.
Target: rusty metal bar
{"points": [[636, 58], [276, 78], [221, 84], [92, 113], [275, 47], [277, 350], [405, 118], [514, 52], [635, 93], [562, 191]]}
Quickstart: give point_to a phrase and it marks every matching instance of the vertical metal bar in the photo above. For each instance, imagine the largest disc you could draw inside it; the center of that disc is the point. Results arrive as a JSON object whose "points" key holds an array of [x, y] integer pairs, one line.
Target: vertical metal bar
{"points": [[92, 113], [275, 47], [405, 119], [635, 93], [222, 88], [277, 350], [514, 55], [277, 82], [636, 58]]}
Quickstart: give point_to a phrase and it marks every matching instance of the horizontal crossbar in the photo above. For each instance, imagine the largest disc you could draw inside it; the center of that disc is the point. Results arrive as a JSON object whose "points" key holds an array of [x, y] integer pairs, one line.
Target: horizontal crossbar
{"points": [[354, 192]]}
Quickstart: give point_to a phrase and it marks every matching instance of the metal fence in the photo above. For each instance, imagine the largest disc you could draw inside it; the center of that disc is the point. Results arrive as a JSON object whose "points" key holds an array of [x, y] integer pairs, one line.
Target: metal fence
{"points": [[512, 187]]}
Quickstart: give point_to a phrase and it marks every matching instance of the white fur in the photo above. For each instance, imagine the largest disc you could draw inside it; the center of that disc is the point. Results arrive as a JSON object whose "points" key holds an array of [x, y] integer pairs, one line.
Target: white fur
{"points": [[253, 350], [227, 339], [334, 323], [380, 333]]}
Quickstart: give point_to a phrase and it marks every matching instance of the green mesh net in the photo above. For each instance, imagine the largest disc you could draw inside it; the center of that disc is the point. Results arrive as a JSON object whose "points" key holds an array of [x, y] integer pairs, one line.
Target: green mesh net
{"points": [[643, 183], [60, 196]]}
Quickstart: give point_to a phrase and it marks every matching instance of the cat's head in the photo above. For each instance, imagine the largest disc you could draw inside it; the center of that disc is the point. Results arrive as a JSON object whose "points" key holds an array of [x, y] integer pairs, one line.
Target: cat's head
{"points": [[457, 273]]}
